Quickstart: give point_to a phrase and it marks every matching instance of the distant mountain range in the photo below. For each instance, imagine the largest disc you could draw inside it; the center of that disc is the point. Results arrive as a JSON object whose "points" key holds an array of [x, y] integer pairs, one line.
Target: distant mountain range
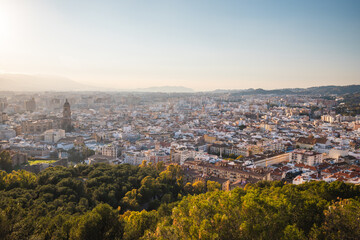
{"points": [[34, 83], [169, 89], [321, 90]]}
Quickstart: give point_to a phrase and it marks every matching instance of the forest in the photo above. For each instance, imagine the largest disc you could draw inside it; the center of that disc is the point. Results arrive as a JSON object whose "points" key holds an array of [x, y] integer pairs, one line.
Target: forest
{"points": [[155, 202]]}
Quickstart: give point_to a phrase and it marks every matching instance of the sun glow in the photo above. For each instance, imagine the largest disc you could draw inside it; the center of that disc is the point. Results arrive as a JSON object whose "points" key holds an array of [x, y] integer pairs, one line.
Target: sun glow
{"points": [[4, 19], [8, 26]]}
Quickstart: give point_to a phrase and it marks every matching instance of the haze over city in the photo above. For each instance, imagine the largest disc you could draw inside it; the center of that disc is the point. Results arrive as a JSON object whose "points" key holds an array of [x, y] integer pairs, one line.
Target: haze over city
{"points": [[203, 45]]}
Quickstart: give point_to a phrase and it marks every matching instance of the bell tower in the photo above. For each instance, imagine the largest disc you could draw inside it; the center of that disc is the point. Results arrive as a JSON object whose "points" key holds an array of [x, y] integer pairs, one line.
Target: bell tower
{"points": [[66, 120]]}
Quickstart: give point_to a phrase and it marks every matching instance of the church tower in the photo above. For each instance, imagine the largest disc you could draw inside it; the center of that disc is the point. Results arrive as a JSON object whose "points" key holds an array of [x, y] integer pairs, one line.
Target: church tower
{"points": [[66, 120]]}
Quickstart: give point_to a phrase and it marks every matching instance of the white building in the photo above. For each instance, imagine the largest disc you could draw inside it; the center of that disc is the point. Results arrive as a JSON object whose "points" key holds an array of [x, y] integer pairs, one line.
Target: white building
{"points": [[6, 132], [310, 158], [109, 150], [328, 118], [134, 158]]}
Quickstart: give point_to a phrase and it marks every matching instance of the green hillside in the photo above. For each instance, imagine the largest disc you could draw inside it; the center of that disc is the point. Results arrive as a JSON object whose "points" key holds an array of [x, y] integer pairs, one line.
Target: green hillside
{"points": [[151, 202]]}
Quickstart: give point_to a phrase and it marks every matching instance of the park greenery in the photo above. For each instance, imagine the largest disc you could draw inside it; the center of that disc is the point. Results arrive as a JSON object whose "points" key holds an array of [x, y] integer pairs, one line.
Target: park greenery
{"points": [[41, 161], [78, 155], [152, 201], [5, 161]]}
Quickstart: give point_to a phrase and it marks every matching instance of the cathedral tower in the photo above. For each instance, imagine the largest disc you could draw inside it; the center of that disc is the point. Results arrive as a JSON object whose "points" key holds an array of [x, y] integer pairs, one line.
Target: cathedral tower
{"points": [[66, 120]]}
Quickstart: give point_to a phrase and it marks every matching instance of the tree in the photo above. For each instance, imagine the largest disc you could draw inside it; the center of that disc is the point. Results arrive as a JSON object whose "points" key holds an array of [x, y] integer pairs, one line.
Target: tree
{"points": [[102, 223], [5, 161], [143, 163], [342, 221], [87, 152], [291, 232], [213, 186], [74, 155], [173, 173], [198, 187], [79, 155], [4, 225], [160, 166], [188, 188], [136, 223]]}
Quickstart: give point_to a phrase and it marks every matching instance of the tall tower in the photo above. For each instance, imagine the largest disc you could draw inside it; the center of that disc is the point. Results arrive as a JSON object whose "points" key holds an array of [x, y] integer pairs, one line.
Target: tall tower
{"points": [[30, 105], [66, 120]]}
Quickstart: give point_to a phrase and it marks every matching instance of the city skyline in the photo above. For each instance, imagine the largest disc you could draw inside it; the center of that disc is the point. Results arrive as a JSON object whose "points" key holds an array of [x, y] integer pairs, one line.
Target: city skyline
{"points": [[203, 45]]}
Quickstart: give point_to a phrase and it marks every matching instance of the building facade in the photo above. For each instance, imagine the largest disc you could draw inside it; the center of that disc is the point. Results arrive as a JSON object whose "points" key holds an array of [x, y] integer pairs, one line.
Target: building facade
{"points": [[30, 105], [54, 135], [110, 151], [39, 126], [310, 158], [66, 120]]}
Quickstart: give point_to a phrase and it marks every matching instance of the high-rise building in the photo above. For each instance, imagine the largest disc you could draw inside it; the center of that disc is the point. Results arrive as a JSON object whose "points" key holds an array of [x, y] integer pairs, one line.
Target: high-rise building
{"points": [[3, 104], [30, 105], [3, 118], [66, 120]]}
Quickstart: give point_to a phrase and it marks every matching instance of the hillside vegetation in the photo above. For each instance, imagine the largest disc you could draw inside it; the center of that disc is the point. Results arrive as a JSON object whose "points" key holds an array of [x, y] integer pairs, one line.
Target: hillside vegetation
{"points": [[151, 202]]}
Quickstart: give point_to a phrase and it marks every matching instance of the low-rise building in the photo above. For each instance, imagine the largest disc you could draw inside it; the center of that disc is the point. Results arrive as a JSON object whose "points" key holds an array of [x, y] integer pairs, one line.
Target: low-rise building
{"points": [[6, 132], [226, 171], [109, 150]]}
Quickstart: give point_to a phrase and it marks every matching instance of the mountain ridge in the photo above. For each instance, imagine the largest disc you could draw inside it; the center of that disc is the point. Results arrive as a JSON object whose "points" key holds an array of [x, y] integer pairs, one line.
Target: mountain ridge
{"points": [[36, 83], [33, 83], [322, 90]]}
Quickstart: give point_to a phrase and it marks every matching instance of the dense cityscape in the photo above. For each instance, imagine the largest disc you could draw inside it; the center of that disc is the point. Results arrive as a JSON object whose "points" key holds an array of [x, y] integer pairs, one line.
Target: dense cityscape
{"points": [[102, 165], [230, 138]]}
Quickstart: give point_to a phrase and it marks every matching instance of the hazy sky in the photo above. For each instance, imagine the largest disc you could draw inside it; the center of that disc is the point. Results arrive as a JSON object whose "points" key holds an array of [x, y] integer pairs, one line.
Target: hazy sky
{"points": [[202, 44]]}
